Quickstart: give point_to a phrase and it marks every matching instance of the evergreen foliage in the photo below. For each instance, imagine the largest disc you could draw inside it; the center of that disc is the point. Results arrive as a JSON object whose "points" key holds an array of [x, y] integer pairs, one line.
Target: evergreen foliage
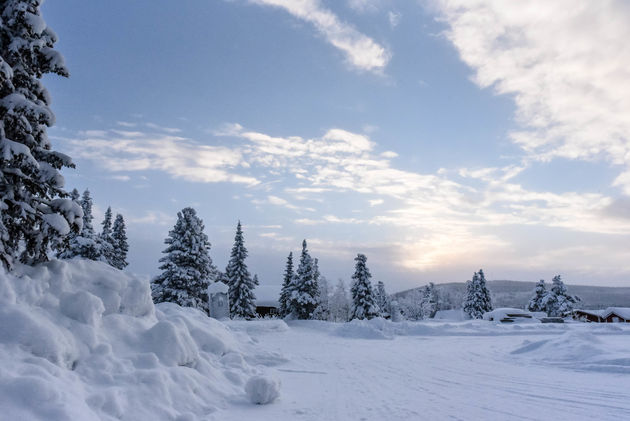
{"points": [[86, 244], [241, 285], [121, 247], [35, 211], [430, 301], [286, 291], [339, 303], [363, 304], [304, 287], [558, 302], [382, 300], [322, 311], [536, 303], [478, 300], [105, 238], [187, 268]]}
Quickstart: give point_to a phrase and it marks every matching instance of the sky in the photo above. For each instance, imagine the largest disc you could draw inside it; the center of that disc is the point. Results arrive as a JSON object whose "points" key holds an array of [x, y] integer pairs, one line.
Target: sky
{"points": [[437, 137]]}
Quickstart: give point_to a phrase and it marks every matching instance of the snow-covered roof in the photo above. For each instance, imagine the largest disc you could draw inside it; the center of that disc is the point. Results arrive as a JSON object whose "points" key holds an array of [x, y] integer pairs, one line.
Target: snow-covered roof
{"points": [[598, 313], [623, 312], [217, 287]]}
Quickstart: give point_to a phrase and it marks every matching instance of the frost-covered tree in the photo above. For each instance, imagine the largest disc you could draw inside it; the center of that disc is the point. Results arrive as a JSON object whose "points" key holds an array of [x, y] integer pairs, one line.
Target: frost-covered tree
{"points": [[411, 305], [241, 285], [536, 302], [478, 300], [35, 211], [382, 300], [322, 311], [121, 247], [86, 244], [285, 292], [304, 287], [430, 301], [558, 302], [187, 268], [339, 303], [363, 304], [106, 240]]}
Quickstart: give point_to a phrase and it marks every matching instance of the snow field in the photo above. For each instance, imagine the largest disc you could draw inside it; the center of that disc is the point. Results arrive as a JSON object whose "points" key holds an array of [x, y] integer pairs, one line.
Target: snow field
{"points": [[80, 340]]}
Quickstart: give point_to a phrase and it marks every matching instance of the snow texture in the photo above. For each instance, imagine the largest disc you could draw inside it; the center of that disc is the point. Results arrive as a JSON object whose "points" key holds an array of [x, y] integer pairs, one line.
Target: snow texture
{"points": [[262, 390]]}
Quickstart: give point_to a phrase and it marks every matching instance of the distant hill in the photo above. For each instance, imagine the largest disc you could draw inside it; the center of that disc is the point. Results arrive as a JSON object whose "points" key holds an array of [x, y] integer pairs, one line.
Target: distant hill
{"points": [[517, 294]]}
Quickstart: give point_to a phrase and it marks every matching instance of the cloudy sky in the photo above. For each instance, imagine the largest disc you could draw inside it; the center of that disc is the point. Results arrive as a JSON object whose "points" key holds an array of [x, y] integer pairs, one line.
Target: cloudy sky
{"points": [[436, 137]]}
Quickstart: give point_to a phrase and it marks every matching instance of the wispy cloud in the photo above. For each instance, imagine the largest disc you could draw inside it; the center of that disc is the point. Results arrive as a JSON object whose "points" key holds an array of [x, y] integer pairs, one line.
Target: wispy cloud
{"points": [[565, 63], [361, 51]]}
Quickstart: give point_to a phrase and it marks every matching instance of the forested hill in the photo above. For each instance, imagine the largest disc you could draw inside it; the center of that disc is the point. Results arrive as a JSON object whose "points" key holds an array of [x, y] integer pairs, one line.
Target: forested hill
{"points": [[517, 294]]}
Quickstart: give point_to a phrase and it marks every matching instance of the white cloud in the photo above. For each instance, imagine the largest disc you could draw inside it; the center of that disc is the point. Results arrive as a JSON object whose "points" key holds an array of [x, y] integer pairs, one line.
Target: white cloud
{"points": [[394, 18], [361, 51], [565, 62]]}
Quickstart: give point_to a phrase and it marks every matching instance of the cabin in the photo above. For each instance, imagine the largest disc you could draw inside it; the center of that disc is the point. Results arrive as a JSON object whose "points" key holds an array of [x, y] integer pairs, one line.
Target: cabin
{"points": [[617, 315], [589, 316], [218, 300], [267, 308]]}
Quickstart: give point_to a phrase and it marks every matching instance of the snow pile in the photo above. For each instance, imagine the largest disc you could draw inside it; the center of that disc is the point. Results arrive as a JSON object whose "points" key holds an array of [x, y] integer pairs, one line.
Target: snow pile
{"points": [[80, 340], [262, 390]]}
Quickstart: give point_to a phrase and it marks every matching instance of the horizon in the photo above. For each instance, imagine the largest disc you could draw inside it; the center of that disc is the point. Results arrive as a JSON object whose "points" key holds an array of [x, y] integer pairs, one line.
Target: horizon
{"points": [[407, 131]]}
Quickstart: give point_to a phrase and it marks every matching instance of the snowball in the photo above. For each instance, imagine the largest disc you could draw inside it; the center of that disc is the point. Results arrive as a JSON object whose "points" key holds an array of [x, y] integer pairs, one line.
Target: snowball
{"points": [[82, 306], [262, 390]]}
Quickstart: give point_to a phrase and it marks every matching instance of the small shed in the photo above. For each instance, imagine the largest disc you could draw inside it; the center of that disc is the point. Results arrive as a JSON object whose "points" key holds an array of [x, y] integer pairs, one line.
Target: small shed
{"points": [[617, 315], [218, 300], [591, 316]]}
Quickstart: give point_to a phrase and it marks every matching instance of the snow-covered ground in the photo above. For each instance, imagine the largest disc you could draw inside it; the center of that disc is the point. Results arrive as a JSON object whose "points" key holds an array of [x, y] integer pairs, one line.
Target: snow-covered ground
{"points": [[437, 371], [80, 340]]}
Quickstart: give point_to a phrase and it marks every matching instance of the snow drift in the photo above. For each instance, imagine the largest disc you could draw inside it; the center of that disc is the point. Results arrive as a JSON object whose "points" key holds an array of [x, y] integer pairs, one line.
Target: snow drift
{"points": [[80, 340]]}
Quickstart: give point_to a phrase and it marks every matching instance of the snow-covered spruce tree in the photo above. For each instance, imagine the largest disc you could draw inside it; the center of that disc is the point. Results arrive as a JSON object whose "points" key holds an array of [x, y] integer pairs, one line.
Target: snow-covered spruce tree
{"points": [[536, 302], [322, 311], [241, 285], [285, 292], [105, 237], [339, 303], [382, 300], [363, 303], [35, 211], [557, 302], [121, 247], [430, 301], [478, 300], [304, 287], [86, 244], [187, 268]]}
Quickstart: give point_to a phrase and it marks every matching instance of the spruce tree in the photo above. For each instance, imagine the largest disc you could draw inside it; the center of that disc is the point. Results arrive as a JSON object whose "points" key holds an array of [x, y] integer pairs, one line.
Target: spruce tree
{"points": [[35, 211], [86, 244], [363, 304], [285, 292], [241, 285], [187, 268], [322, 311], [558, 302], [536, 302], [304, 287], [382, 300], [430, 301], [339, 305], [121, 247], [105, 238], [478, 300]]}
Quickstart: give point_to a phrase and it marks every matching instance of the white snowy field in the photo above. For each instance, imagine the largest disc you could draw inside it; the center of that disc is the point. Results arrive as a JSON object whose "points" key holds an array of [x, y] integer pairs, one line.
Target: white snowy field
{"points": [[80, 340], [441, 371]]}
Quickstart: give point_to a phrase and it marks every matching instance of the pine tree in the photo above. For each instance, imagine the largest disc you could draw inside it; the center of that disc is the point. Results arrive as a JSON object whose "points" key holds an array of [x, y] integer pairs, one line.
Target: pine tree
{"points": [[304, 287], [430, 301], [121, 247], [536, 303], [187, 268], [86, 244], [363, 304], [35, 211], [285, 292], [382, 300], [339, 304], [105, 238], [557, 302], [322, 311], [241, 292], [478, 300]]}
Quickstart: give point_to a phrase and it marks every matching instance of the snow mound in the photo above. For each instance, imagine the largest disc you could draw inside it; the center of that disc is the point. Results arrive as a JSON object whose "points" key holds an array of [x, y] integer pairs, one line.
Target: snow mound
{"points": [[379, 328], [80, 340], [262, 390], [570, 346]]}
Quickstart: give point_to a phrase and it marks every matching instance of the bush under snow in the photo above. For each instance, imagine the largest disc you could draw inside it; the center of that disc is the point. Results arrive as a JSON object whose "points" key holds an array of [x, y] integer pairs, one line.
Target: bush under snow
{"points": [[80, 340]]}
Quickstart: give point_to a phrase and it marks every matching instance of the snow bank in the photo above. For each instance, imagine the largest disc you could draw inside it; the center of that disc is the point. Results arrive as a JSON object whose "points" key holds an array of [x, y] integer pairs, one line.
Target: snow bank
{"points": [[80, 340]]}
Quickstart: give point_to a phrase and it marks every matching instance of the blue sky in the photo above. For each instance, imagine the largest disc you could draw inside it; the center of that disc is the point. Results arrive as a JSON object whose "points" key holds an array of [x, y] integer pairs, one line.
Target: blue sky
{"points": [[437, 137]]}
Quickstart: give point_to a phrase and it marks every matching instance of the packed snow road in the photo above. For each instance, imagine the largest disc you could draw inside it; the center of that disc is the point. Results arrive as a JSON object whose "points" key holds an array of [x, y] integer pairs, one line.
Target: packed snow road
{"points": [[465, 371]]}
